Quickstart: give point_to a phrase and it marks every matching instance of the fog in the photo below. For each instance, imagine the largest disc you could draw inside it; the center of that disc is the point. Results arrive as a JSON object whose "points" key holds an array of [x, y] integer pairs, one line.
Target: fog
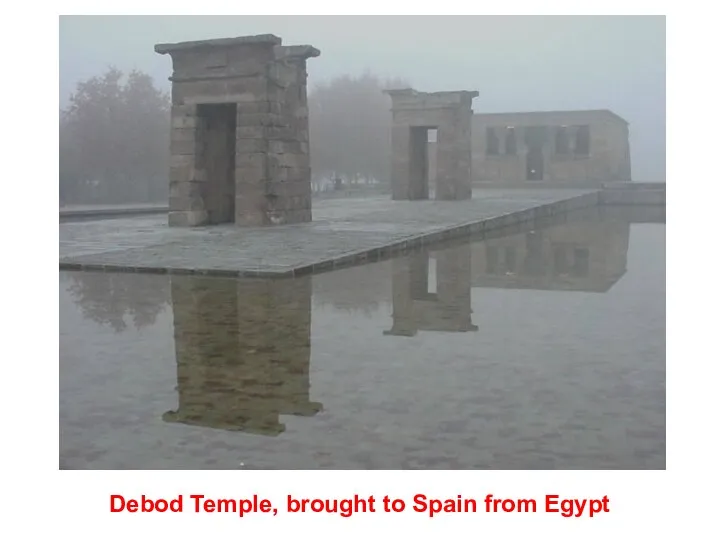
{"points": [[516, 63], [472, 328]]}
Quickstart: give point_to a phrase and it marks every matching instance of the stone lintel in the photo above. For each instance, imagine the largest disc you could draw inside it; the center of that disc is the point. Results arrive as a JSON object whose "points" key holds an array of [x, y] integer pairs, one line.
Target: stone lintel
{"points": [[408, 98], [400, 92], [411, 92], [296, 51], [262, 39]]}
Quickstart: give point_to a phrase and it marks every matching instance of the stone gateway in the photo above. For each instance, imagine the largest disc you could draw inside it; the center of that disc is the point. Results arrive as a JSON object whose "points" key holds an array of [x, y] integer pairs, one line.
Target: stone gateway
{"points": [[240, 134], [414, 114]]}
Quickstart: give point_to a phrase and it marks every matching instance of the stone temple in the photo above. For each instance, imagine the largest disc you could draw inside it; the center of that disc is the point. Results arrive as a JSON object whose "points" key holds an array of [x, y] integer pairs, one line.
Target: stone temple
{"points": [[240, 142], [240, 139]]}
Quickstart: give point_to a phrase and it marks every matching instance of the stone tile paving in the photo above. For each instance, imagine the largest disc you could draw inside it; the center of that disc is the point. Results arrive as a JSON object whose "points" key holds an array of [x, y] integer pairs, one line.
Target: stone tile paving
{"points": [[69, 208], [343, 232], [95, 211]]}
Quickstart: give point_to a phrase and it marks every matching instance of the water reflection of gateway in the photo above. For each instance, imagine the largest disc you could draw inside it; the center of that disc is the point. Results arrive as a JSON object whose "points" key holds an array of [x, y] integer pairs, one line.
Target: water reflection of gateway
{"points": [[447, 307], [243, 352]]}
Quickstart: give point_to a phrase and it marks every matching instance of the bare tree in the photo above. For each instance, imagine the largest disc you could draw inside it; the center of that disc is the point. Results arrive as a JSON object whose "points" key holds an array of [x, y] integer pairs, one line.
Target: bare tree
{"points": [[350, 122], [109, 298], [114, 141], [114, 136]]}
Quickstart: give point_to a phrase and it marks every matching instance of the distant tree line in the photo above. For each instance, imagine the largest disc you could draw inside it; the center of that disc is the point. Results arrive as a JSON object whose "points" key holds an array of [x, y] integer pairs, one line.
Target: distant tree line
{"points": [[114, 136], [350, 123], [114, 141]]}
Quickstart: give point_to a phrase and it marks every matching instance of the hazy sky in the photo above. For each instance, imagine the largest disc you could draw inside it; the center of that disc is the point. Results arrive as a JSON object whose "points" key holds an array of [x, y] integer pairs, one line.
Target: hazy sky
{"points": [[516, 63]]}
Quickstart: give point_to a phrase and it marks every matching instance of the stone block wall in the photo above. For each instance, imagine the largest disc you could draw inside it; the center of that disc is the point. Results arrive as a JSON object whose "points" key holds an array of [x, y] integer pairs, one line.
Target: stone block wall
{"points": [[240, 134], [608, 159], [414, 113], [631, 193]]}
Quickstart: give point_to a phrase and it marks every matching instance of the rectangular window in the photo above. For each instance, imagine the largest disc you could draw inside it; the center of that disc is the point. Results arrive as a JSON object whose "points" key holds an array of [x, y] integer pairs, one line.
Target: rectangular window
{"points": [[492, 143], [582, 141], [562, 143]]}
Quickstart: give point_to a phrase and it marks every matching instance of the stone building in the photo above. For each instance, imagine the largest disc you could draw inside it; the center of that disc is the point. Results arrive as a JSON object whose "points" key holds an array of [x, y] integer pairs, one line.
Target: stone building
{"points": [[243, 352], [239, 132], [561, 148], [449, 116]]}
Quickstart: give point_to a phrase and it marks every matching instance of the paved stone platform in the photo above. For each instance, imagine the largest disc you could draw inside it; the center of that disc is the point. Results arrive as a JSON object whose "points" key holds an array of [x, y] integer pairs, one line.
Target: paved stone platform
{"points": [[343, 232], [90, 211]]}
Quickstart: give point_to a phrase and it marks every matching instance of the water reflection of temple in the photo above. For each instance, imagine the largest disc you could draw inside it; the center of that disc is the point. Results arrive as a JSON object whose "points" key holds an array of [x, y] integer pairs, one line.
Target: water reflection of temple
{"points": [[243, 352], [431, 292], [588, 253], [585, 251]]}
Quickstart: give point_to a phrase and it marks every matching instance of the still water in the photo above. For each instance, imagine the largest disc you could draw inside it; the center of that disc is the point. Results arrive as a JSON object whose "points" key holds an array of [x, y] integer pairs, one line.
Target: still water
{"points": [[540, 348]]}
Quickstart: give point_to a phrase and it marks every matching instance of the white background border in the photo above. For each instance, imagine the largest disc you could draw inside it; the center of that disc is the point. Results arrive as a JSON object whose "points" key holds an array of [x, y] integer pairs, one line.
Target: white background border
{"points": [[38, 498]]}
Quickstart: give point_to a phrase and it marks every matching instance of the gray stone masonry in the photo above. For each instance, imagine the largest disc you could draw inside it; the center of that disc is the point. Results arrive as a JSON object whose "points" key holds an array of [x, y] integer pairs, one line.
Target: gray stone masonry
{"points": [[546, 149], [413, 114], [239, 132]]}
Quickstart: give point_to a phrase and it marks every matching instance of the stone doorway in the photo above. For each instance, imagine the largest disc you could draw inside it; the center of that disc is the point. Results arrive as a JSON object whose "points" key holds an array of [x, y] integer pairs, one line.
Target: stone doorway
{"points": [[419, 187], [240, 148], [535, 138], [423, 162], [535, 164], [216, 159]]}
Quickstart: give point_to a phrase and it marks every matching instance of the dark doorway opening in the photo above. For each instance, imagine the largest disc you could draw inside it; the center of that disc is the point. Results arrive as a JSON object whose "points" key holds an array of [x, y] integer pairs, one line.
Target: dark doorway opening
{"points": [[216, 159], [510, 141], [535, 164], [422, 281], [419, 187], [535, 137], [492, 142], [562, 142], [582, 141]]}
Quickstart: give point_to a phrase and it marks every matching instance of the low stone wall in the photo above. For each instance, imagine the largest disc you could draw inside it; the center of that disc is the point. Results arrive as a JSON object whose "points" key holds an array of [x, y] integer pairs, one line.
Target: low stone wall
{"points": [[79, 213], [620, 193], [476, 228], [536, 184], [633, 193]]}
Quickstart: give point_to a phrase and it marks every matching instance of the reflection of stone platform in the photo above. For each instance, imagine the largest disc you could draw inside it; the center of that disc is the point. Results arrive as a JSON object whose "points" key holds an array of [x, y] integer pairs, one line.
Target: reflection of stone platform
{"points": [[344, 232]]}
